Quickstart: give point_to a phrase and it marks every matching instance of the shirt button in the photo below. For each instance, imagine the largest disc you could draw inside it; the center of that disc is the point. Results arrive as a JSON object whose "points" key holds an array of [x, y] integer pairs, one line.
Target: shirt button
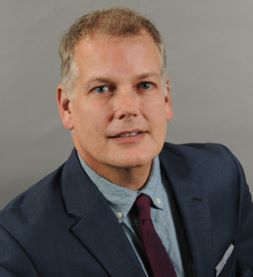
{"points": [[158, 201], [119, 215]]}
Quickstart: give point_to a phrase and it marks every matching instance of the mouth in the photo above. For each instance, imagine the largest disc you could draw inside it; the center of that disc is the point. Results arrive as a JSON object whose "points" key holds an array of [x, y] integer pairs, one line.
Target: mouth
{"points": [[128, 136]]}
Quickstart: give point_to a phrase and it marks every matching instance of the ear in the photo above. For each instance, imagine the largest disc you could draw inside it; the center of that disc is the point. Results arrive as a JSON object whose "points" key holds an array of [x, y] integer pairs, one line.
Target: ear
{"points": [[64, 108], [168, 101]]}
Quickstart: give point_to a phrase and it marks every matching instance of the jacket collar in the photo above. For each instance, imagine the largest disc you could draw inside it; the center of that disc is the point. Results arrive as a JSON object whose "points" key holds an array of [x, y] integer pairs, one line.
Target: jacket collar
{"points": [[98, 229], [95, 225], [191, 196]]}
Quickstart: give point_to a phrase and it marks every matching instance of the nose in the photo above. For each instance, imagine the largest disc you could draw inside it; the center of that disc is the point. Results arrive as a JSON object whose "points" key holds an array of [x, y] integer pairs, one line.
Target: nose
{"points": [[126, 105]]}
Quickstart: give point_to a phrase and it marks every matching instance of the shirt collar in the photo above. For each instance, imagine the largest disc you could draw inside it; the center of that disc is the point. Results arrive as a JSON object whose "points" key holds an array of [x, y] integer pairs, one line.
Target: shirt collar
{"points": [[122, 199]]}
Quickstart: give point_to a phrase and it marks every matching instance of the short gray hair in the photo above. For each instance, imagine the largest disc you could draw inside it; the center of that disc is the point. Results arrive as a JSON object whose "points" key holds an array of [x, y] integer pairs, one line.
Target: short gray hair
{"points": [[115, 21]]}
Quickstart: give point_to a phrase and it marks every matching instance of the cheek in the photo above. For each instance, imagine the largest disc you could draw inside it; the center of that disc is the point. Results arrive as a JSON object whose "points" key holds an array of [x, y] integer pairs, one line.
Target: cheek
{"points": [[157, 110], [91, 120]]}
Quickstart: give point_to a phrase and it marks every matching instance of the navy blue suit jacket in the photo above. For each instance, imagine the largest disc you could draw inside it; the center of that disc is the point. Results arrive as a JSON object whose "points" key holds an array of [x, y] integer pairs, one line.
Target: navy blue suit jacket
{"points": [[63, 226]]}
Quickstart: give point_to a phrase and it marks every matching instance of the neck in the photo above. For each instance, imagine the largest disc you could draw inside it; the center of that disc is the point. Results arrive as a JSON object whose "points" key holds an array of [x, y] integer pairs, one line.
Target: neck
{"points": [[130, 178]]}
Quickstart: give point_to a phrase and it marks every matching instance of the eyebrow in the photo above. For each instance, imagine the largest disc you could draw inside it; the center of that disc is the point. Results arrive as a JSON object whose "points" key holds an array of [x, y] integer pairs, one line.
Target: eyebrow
{"points": [[100, 80], [148, 74], [109, 80]]}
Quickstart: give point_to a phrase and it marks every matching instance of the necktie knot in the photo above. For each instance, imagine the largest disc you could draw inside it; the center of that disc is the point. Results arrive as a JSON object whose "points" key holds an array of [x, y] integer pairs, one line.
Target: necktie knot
{"points": [[142, 205]]}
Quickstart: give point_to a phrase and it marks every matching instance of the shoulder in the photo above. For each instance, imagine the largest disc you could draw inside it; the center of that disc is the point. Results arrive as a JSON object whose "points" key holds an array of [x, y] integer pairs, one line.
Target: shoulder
{"points": [[33, 205], [33, 195], [202, 155], [211, 167], [197, 149]]}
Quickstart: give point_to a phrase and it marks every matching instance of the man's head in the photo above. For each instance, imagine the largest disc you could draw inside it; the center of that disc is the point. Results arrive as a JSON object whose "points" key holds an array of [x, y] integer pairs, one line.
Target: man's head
{"points": [[119, 103], [118, 22]]}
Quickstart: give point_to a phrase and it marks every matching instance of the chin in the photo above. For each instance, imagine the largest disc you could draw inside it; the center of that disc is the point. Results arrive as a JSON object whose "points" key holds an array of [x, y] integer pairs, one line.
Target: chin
{"points": [[135, 161]]}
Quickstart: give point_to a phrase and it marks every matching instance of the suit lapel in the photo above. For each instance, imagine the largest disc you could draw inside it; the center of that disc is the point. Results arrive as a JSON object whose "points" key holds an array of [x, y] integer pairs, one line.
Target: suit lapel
{"points": [[97, 227], [98, 230], [192, 201], [106, 241]]}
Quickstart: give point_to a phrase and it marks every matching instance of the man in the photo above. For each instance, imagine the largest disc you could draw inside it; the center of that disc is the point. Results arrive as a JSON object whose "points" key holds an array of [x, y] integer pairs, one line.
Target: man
{"points": [[88, 218]]}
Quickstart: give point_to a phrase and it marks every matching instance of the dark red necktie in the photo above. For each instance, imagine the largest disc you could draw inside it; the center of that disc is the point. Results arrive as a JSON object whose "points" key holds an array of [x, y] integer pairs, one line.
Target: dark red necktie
{"points": [[157, 257]]}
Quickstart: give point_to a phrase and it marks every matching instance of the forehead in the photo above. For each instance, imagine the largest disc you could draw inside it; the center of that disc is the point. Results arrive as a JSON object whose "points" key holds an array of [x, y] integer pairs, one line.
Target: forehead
{"points": [[117, 54], [97, 38]]}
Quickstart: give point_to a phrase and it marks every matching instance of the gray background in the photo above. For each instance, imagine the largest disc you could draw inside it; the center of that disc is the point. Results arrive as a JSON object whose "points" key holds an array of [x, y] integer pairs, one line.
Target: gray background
{"points": [[210, 62]]}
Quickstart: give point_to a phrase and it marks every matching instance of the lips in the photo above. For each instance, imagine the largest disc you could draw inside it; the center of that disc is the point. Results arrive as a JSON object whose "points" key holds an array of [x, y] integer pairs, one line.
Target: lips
{"points": [[126, 134]]}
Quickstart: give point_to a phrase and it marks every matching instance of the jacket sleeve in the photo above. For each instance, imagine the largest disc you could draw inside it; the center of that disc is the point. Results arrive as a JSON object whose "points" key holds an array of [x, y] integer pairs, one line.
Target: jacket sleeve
{"points": [[245, 225], [13, 260]]}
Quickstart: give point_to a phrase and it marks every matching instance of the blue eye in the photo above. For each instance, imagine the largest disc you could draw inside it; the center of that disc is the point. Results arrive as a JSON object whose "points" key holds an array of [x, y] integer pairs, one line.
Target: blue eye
{"points": [[145, 85], [101, 89]]}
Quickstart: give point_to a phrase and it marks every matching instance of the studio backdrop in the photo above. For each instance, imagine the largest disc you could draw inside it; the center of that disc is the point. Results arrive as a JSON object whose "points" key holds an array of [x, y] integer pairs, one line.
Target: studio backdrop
{"points": [[210, 64]]}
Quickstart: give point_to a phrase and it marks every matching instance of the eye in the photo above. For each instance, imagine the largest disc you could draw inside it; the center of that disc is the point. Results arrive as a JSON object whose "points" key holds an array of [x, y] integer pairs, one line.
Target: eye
{"points": [[145, 85], [102, 89]]}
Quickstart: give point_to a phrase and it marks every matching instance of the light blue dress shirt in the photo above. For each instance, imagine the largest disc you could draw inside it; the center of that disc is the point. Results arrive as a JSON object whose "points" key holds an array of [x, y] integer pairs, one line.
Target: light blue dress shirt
{"points": [[121, 201]]}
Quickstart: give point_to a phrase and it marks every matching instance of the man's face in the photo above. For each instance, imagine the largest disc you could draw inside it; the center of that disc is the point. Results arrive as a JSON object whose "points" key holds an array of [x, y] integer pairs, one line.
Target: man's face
{"points": [[120, 104]]}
